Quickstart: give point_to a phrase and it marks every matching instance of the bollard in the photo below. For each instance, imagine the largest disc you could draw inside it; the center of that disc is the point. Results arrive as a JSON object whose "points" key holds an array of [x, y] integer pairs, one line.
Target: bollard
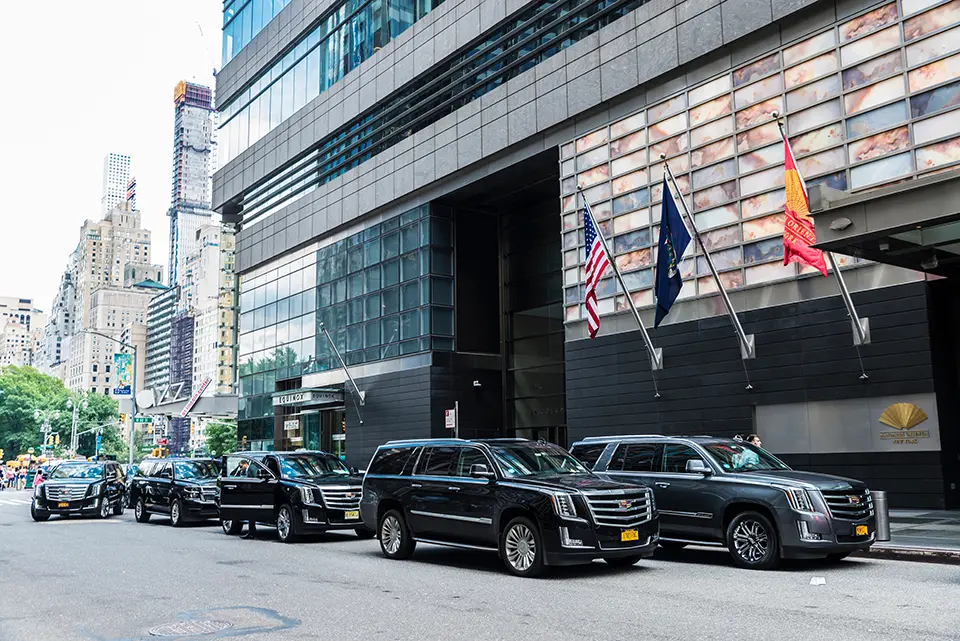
{"points": [[882, 511]]}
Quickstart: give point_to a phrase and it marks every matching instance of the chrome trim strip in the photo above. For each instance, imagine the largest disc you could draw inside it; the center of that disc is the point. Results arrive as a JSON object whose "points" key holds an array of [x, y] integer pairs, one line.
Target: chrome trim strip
{"points": [[463, 546], [712, 544], [692, 515], [454, 517], [439, 479], [646, 543]]}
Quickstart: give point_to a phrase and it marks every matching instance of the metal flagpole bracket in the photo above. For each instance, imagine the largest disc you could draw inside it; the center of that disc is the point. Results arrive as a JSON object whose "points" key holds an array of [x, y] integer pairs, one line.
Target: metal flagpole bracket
{"points": [[361, 395]]}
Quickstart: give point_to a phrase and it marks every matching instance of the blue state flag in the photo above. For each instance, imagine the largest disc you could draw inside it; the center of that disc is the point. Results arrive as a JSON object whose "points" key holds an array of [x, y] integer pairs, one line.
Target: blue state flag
{"points": [[674, 239]]}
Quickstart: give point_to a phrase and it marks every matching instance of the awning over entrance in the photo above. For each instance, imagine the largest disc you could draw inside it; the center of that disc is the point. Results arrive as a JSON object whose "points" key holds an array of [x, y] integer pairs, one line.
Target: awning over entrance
{"points": [[218, 406], [312, 396], [914, 224]]}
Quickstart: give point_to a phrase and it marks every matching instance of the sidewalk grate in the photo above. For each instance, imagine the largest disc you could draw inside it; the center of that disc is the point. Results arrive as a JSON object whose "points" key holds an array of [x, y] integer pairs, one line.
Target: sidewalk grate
{"points": [[189, 628]]}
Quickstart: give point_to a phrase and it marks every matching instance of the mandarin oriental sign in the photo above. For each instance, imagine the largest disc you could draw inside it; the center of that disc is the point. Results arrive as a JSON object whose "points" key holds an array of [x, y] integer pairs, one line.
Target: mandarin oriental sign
{"points": [[309, 397]]}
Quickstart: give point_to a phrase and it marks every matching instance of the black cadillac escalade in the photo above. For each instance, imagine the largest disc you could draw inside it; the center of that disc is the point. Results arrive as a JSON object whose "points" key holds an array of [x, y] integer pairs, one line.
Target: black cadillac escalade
{"points": [[725, 492], [186, 489], [87, 488], [531, 501]]}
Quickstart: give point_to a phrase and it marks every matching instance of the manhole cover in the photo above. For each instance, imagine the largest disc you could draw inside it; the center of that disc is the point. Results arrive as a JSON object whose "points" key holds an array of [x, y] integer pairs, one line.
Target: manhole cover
{"points": [[189, 628]]}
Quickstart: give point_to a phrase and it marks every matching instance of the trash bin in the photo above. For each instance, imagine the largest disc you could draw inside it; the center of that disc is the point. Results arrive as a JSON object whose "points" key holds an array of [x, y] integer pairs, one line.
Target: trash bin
{"points": [[882, 510]]}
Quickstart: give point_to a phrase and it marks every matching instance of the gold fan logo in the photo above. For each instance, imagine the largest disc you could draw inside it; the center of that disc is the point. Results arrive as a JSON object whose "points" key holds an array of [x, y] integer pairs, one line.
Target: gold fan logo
{"points": [[904, 417]]}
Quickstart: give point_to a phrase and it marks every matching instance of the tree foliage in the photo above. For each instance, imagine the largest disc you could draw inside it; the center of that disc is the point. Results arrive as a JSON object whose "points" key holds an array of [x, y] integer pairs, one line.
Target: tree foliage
{"points": [[24, 390], [221, 437]]}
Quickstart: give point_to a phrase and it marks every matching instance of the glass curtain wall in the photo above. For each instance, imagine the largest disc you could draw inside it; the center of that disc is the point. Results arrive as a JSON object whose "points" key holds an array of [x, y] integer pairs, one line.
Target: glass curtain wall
{"points": [[382, 292], [869, 101], [350, 34], [243, 20]]}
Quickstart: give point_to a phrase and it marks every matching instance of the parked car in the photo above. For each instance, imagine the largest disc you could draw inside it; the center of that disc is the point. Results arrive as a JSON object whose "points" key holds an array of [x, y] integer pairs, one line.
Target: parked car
{"points": [[726, 492], [129, 471], [298, 492], [79, 488], [183, 488], [530, 501]]}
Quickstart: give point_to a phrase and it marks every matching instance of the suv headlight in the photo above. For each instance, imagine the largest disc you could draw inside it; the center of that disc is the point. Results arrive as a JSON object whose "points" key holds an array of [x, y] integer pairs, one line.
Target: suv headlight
{"points": [[38, 491], [563, 504], [653, 500], [192, 492], [94, 489], [799, 499], [306, 494]]}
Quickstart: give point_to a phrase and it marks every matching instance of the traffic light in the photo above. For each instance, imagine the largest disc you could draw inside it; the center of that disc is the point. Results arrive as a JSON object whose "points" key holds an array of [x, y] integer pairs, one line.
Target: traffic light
{"points": [[123, 418], [49, 440], [56, 440]]}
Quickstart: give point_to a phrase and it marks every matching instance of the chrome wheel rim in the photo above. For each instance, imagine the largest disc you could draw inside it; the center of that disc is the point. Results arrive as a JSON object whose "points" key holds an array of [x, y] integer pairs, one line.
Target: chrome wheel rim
{"points": [[226, 525], [139, 509], [391, 534], [750, 540], [104, 507], [521, 547], [175, 513], [283, 523]]}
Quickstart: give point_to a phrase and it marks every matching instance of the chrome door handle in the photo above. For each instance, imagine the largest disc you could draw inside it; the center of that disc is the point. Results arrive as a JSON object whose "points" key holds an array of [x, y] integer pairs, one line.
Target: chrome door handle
{"points": [[453, 489], [229, 487], [660, 484], [416, 486]]}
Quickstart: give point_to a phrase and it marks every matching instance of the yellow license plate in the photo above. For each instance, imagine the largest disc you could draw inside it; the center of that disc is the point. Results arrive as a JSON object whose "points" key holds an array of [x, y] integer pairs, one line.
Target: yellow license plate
{"points": [[862, 530], [63, 505], [351, 515], [629, 535]]}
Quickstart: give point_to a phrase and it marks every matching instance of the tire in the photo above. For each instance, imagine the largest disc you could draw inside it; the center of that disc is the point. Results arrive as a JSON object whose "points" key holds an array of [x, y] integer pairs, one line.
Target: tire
{"points": [[521, 548], [364, 533], [396, 541], [118, 507], [104, 508], [837, 557], [753, 542], [38, 515], [231, 527], [126, 500], [623, 561], [140, 511], [287, 527], [176, 513], [672, 545]]}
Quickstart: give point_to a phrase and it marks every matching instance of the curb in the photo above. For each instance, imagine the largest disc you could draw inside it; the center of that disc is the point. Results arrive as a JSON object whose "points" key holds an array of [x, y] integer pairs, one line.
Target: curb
{"points": [[915, 554]]}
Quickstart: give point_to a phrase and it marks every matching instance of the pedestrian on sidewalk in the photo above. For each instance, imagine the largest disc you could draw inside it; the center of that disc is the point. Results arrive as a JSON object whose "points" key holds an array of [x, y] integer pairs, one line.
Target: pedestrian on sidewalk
{"points": [[3, 478]]}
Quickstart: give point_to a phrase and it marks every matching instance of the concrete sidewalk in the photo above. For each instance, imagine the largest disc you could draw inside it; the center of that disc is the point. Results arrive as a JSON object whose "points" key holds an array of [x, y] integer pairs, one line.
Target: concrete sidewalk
{"points": [[922, 535]]}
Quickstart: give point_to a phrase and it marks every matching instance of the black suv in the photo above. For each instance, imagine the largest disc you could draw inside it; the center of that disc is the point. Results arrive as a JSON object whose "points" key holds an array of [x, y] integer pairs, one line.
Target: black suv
{"points": [[726, 492], [298, 492], [80, 487], [184, 488], [531, 501]]}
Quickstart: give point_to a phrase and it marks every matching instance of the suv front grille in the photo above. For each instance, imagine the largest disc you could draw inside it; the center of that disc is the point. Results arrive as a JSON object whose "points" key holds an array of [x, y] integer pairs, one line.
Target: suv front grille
{"points": [[66, 492], [341, 498], [208, 493], [849, 506], [620, 508]]}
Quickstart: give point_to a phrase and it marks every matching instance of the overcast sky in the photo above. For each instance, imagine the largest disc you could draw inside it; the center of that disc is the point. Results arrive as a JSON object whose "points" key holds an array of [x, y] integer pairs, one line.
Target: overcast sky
{"points": [[82, 79]]}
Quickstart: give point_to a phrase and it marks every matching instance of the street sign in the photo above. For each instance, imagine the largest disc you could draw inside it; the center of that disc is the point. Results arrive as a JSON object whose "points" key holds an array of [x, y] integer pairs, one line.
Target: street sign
{"points": [[450, 419], [143, 419], [161, 441]]}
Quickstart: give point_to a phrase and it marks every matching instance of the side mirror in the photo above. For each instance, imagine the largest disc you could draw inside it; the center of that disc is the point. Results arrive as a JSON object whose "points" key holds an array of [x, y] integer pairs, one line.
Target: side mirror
{"points": [[480, 471], [698, 466], [264, 474], [354, 470]]}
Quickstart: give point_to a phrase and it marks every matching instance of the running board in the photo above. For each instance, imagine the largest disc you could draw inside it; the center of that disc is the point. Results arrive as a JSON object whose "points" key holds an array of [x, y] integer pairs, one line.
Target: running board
{"points": [[462, 546], [712, 544]]}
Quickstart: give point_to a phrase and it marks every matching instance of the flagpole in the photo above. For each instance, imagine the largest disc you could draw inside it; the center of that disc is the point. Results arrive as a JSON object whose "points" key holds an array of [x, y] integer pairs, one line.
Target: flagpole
{"points": [[747, 345], [861, 327], [656, 354]]}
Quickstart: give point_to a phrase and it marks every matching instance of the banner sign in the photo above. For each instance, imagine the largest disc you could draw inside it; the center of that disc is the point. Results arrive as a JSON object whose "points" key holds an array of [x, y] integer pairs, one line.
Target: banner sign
{"points": [[196, 397], [123, 374]]}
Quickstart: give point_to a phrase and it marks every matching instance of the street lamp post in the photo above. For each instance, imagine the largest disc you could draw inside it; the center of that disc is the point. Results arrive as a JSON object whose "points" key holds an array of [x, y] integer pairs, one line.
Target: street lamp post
{"points": [[133, 389], [45, 416], [74, 437]]}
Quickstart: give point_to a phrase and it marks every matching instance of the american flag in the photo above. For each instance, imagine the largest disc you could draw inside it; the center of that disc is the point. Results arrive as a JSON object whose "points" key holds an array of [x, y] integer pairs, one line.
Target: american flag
{"points": [[597, 263]]}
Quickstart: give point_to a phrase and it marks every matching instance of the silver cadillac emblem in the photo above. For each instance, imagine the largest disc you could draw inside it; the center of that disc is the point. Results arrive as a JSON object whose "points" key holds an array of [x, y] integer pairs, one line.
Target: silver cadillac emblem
{"points": [[854, 500], [626, 504]]}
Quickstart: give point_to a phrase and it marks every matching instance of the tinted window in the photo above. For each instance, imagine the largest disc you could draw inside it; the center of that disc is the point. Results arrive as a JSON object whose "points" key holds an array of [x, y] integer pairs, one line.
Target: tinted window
{"points": [[145, 469], [301, 465], [189, 470], [676, 455], [238, 466], [589, 454], [77, 471], [390, 460], [470, 456], [639, 457], [439, 461], [272, 466], [162, 469]]}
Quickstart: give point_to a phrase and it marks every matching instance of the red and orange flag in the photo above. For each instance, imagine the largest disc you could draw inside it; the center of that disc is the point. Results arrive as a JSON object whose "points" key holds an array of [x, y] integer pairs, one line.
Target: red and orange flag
{"points": [[798, 233]]}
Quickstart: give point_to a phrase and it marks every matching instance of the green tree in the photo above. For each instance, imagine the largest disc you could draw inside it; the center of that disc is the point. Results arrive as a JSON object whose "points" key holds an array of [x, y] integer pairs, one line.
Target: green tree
{"points": [[23, 390], [100, 413], [221, 437]]}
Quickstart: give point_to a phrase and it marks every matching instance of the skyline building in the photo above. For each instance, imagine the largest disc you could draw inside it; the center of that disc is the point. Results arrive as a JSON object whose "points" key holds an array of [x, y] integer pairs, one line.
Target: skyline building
{"points": [[116, 178], [193, 157], [21, 332], [415, 191]]}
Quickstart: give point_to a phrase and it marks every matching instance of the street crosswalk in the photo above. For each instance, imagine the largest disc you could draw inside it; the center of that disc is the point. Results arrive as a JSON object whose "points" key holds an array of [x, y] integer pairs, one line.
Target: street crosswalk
{"points": [[14, 497]]}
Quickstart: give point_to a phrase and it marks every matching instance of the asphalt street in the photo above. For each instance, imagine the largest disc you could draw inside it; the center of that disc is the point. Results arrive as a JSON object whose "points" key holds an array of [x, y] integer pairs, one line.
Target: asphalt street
{"points": [[116, 580]]}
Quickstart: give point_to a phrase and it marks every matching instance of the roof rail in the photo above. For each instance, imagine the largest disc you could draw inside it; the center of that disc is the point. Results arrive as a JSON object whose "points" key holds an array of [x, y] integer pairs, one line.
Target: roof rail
{"points": [[425, 440], [616, 436]]}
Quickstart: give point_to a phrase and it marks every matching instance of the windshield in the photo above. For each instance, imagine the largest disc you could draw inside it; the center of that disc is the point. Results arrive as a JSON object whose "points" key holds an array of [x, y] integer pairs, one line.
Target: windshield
{"points": [[535, 459], [191, 470], [301, 465], [77, 472], [744, 457]]}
